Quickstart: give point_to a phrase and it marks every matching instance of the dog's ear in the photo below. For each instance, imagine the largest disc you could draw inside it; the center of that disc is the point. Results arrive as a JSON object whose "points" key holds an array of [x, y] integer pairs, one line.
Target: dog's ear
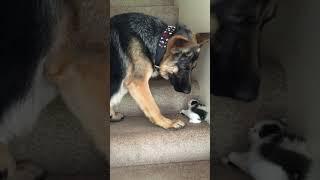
{"points": [[177, 43], [202, 38]]}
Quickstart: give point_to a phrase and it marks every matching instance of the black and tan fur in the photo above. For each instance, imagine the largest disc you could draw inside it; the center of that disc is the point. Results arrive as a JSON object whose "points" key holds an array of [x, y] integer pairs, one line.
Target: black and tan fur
{"points": [[134, 39]]}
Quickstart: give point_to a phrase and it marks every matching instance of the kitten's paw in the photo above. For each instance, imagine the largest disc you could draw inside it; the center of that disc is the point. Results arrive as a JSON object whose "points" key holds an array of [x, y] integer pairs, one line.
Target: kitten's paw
{"points": [[183, 112], [195, 121]]}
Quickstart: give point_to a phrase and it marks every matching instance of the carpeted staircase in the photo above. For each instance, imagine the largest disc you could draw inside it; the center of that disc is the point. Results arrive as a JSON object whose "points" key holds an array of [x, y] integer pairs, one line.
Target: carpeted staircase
{"points": [[140, 150]]}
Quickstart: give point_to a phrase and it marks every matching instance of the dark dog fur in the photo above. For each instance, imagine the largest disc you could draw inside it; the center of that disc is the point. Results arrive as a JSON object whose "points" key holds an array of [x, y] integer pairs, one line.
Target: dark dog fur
{"points": [[134, 39], [236, 61], [26, 36]]}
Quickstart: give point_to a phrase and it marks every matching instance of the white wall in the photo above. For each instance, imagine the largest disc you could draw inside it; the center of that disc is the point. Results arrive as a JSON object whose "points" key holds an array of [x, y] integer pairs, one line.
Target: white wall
{"points": [[294, 39], [196, 15]]}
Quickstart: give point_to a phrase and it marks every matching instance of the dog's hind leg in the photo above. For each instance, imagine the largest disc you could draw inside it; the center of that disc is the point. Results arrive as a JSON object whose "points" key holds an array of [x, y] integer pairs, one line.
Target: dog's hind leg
{"points": [[19, 119], [115, 116], [115, 99]]}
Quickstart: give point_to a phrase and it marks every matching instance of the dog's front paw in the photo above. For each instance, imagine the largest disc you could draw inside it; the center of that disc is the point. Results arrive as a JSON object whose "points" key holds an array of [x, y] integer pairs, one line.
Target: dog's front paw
{"points": [[115, 117], [178, 124], [169, 124]]}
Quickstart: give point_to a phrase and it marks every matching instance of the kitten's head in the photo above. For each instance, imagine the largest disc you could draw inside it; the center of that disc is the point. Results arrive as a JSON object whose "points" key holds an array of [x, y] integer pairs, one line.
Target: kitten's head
{"points": [[266, 129]]}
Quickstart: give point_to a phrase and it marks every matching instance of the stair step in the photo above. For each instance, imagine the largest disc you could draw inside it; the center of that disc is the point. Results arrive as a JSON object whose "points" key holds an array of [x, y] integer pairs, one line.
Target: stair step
{"points": [[197, 170], [168, 14], [136, 141], [141, 3], [169, 101]]}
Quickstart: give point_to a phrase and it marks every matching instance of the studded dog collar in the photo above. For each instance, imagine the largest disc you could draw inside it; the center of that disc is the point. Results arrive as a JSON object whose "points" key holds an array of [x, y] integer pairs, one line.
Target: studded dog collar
{"points": [[162, 44]]}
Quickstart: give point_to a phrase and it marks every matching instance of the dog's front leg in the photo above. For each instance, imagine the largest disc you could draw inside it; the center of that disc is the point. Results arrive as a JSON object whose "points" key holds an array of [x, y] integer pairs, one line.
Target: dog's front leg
{"points": [[140, 91]]}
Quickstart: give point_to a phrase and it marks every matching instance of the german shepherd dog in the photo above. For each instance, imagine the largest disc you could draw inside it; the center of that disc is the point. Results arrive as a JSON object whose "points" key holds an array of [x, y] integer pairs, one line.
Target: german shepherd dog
{"points": [[34, 34], [143, 47], [236, 46]]}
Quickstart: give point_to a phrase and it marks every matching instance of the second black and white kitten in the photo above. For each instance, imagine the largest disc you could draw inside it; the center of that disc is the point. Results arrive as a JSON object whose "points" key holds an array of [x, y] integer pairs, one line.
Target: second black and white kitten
{"points": [[274, 153]]}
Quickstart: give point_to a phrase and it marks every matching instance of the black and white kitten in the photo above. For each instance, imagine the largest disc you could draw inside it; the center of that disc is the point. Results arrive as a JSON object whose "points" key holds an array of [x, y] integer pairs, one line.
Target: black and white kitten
{"points": [[196, 111], [274, 153]]}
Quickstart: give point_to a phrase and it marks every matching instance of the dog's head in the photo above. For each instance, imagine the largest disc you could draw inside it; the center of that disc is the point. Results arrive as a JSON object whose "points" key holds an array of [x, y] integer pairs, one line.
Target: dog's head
{"points": [[235, 56], [181, 58]]}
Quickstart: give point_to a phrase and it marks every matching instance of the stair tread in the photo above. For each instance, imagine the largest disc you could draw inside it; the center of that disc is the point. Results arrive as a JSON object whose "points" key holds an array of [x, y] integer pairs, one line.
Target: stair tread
{"points": [[169, 101], [136, 141], [168, 14], [199, 170], [141, 3]]}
